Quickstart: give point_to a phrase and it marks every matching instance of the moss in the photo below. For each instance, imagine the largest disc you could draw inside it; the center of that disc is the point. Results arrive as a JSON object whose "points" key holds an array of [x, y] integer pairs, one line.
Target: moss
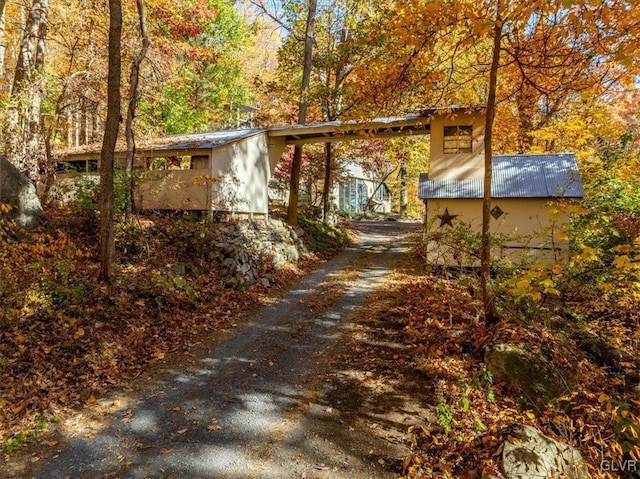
{"points": [[322, 238]]}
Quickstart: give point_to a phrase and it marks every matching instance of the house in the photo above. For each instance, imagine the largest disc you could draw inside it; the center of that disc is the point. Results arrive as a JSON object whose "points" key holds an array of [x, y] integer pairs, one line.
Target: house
{"points": [[229, 171], [359, 190], [217, 171], [522, 189], [226, 171]]}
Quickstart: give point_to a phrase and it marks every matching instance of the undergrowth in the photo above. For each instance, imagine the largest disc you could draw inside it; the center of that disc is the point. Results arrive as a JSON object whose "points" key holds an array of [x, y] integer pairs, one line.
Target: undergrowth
{"points": [[80, 338]]}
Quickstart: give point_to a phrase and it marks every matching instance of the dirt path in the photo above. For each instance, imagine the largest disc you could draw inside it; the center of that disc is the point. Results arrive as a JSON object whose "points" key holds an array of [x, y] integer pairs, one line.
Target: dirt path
{"points": [[288, 394]]}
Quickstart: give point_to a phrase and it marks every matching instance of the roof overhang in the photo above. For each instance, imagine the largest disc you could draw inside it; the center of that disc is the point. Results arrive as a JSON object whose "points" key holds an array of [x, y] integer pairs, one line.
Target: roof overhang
{"points": [[334, 131], [327, 132]]}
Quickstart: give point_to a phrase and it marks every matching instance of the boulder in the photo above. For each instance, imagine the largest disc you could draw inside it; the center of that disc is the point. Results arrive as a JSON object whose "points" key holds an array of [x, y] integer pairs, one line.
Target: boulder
{"points": [[529, 454], [17, 191], [540, 379]]}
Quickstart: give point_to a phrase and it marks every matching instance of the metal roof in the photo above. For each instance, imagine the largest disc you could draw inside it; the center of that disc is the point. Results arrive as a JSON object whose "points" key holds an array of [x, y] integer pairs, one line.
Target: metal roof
{"points": [[417, 123], [515, 176], [199, 140]]}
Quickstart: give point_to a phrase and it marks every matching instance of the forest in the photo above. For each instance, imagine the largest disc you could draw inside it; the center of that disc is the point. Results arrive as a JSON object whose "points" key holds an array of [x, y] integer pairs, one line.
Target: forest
{"points": [[86, 285]]}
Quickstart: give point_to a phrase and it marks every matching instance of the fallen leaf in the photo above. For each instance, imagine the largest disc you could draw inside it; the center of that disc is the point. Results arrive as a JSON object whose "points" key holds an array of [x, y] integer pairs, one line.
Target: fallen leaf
{"points": [[52, 443], [182, 431], [91, 399], [166, 451]]}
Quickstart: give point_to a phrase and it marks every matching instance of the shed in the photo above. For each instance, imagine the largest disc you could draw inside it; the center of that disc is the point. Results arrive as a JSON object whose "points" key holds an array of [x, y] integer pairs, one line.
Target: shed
{"points": [[223, 171], [522, 188]]}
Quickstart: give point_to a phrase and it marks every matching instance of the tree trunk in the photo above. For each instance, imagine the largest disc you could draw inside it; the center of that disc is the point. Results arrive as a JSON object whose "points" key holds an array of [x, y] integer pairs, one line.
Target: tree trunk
{"points": [[404, 195], [3, 47], [378, 186], [327, 187], [294, 183], [485, 254], [25, 147], [112, 125], [134, 77]]}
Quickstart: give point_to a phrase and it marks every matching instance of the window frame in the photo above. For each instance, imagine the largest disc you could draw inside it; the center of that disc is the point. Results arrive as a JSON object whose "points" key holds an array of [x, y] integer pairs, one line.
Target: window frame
{"points": [[458, 139]]}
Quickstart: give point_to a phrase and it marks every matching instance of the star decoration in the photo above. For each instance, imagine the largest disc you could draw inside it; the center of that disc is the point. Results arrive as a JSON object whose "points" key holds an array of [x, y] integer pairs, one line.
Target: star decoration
{"points": [[446, 218]]}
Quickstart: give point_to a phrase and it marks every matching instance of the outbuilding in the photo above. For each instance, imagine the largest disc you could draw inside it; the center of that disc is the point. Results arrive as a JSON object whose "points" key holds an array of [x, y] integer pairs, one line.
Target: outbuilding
{"points": [[524, 190]]}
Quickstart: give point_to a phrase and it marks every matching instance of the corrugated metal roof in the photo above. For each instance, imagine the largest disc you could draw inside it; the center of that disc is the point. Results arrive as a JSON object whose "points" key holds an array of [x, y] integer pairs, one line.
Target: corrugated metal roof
{"points": [[515, 176]]}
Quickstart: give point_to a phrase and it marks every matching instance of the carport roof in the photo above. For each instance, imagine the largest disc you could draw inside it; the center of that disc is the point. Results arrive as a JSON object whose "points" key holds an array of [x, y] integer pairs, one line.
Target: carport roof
{"points": [[418, 123], [514, 176]]}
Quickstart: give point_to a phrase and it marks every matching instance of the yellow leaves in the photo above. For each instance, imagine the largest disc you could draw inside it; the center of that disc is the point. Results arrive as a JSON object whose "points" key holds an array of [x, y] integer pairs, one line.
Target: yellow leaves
{"points": [[623, 248], [605, 287], [5, 208], [561, 235], [79, 333], [621, 262], [589, 254], [92, 399], [18, 408], [555, 214]]}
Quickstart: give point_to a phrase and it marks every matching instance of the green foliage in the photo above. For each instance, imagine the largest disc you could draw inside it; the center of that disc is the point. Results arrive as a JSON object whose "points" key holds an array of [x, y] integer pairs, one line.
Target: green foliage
{"points": [[83, 191], [208, 77], [21, 438], [483, 380], [322, 238], [464, 402], [626, 425], [458, 245], [445, 415]]}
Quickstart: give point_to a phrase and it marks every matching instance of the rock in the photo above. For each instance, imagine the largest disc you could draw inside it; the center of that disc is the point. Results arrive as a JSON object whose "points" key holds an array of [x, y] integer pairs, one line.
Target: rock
{"points": [[245, 247], [19, 192], [529, 454], [265, 282], [538, 378], [179, 269]]}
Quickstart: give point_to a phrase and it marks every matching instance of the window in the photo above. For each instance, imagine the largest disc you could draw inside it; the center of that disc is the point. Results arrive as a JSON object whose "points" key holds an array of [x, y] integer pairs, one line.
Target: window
{"points": [[458, 139]]}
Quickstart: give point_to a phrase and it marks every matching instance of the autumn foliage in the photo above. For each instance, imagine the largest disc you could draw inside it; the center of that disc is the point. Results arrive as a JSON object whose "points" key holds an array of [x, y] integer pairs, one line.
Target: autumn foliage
{"points": [[437, 317], [66, 338]]}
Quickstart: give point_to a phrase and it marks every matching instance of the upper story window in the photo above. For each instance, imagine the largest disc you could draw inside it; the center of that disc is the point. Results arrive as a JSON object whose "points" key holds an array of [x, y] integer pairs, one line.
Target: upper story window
{"points": [[458, 139]]}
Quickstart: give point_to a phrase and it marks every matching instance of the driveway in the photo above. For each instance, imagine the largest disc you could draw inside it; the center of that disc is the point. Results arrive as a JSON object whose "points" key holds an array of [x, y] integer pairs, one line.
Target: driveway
{"points": [[267, 400]]}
